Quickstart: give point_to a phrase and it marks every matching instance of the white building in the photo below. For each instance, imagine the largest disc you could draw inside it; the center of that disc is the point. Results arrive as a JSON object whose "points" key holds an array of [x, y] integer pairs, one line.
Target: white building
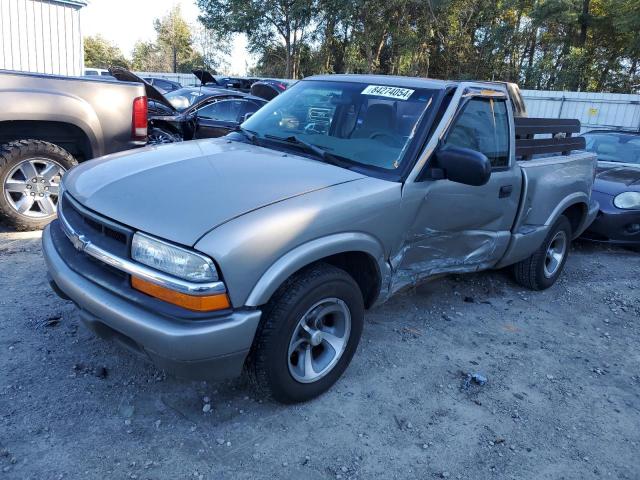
{"points": [[41, 36]]}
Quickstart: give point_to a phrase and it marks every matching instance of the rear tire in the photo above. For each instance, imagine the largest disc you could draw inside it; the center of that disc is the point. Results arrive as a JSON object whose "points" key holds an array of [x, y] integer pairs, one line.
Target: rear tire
{"points": [[542, 269], [292, 358], [30, 173], [162, 136]]}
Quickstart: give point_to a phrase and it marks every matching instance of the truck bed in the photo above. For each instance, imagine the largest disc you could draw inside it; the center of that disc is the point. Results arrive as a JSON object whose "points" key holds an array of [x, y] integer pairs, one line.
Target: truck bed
{"points": [[556, 182], [100, 109]]}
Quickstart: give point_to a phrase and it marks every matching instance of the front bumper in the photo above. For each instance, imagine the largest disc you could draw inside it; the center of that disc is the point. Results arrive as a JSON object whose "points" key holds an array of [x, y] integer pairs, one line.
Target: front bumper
{"points": [[205, 348], [614, 225]]}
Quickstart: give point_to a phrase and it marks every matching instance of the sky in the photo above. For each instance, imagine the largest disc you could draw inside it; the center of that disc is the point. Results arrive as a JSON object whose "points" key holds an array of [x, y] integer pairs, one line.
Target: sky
{"points": [[124, 22]]}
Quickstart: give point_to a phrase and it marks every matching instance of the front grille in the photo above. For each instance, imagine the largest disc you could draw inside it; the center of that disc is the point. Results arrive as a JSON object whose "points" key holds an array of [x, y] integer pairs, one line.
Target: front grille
{"points": [[101, 231]]}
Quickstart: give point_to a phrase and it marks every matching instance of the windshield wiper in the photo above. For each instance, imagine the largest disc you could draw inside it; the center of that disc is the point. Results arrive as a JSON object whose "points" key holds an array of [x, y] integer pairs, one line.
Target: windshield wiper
{"points": [[248, 134], [310, 147]]}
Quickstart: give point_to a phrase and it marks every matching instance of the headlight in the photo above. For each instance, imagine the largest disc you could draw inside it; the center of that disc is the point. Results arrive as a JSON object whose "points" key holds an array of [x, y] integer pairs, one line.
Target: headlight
{"points": [[627, 200], [172, 259]]}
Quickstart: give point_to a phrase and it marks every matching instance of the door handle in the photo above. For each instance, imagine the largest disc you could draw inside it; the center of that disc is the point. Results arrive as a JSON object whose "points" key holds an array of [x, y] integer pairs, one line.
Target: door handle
{"points": [[505, 191]]}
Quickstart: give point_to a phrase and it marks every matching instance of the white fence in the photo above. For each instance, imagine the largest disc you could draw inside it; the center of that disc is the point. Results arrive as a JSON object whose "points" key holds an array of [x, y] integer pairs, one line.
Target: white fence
{"points": [[594, 110], [184, 79]]}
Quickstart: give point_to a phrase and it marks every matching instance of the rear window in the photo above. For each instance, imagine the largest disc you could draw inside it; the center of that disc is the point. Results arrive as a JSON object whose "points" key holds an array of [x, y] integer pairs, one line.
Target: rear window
{"points": [[183, 98]]}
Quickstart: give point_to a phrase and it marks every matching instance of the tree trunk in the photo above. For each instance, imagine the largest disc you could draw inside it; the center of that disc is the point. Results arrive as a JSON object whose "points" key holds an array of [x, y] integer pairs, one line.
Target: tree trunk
{"points": [[379, 52], [578, 80], [584, 23], [175, 59], [287, 44], [514, 75], [530, 56], [328, 47], [296, 54], [606, 70]]}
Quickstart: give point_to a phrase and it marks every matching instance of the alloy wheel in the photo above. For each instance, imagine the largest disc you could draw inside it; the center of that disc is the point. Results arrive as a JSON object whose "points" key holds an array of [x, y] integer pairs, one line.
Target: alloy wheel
{"points": [[319, 340], [556, 251], [32, 187]]}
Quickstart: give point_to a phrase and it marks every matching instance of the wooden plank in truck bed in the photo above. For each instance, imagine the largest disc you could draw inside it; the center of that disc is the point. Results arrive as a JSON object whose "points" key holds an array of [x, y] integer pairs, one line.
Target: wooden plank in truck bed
{"points": [[559, 136]]}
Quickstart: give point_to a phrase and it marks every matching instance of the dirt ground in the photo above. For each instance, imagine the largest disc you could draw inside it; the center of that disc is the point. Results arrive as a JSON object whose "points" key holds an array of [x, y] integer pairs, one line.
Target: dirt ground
{"points": [[562, 400]]}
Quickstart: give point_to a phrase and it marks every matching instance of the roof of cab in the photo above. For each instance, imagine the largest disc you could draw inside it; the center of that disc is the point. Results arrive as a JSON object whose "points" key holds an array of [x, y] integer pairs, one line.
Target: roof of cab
{"points": [[387, 80]]}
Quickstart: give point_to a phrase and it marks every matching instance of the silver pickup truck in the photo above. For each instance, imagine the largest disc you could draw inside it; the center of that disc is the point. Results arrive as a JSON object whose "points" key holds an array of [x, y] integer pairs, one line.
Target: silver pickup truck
{"points": [[50, 123], [262, 249]]}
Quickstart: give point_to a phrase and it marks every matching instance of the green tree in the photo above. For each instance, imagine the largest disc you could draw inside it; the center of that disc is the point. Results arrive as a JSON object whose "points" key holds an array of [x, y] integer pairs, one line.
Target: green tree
{"points": [[266, 23], [174, 37], [545, 44], [100, 53], [148, 57]]}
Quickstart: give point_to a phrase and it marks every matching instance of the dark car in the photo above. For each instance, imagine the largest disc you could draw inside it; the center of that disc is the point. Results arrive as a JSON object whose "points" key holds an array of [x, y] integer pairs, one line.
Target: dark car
{"points": [[201, 112], [193, 112], [240, 84], [617, 187], [162, 84], [270, 88]]}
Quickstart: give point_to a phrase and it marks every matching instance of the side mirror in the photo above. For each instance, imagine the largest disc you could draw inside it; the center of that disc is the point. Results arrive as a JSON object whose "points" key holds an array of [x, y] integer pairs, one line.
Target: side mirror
{"points": [[247, 116], [463, 165]]}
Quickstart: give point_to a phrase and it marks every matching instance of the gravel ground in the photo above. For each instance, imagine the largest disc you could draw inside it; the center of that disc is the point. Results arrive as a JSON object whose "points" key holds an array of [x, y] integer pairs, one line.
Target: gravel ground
{"points": [[562, 400]]}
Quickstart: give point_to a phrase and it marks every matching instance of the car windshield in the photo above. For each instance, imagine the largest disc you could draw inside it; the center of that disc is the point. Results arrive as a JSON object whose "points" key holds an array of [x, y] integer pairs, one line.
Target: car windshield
{"points": [[614, 147], [183, 98], [368, 124]]}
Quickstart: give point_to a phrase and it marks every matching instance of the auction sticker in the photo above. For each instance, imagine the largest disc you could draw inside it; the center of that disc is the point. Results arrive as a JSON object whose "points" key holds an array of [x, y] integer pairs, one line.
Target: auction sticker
{"points": [[389, 92]]}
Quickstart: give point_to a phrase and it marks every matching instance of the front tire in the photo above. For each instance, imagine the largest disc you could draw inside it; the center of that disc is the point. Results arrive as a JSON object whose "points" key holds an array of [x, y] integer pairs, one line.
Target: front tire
{"points": [[308, 334], [542, 269], [30, 174], [162, 136]]}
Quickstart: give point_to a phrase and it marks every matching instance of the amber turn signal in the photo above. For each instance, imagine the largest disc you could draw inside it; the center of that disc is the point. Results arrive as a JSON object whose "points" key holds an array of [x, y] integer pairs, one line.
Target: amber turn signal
{"points": [[206, 303]]}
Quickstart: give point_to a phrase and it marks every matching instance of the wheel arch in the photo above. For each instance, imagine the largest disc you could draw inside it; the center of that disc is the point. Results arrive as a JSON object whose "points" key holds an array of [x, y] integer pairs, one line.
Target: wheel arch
{"points": [[576, 208], [359, 254], [67, 136], [576, 214]]}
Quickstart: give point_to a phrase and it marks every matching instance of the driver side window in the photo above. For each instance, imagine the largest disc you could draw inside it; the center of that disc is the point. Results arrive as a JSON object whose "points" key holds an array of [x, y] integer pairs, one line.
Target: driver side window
{"points": [[223, 110], [483, 126]]}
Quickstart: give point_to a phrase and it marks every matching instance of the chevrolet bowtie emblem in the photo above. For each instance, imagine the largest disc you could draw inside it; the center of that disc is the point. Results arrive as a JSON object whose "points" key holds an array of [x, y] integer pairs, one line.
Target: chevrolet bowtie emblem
{"points": [[79, 242]]}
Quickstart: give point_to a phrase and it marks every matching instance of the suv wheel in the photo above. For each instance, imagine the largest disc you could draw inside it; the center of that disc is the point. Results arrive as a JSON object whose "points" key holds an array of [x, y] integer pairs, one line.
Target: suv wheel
{"points": [[308, 334], [542, 269], [30, 173]]}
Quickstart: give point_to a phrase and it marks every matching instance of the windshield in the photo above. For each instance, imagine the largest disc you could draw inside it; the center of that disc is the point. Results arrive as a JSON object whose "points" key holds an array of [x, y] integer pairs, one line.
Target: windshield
{"points": [[614, 147], [371, 125], [183, 98]]}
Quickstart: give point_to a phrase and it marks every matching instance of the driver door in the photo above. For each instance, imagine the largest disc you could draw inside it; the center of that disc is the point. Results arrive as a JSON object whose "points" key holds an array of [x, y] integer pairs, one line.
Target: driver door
{"points": [[460, 228]]}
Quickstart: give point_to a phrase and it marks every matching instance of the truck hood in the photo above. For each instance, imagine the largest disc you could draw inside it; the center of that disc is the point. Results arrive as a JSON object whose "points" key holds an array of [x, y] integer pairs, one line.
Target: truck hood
{"points": [[205, 77], [124, 75], [612, 180], [181, 191]]}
